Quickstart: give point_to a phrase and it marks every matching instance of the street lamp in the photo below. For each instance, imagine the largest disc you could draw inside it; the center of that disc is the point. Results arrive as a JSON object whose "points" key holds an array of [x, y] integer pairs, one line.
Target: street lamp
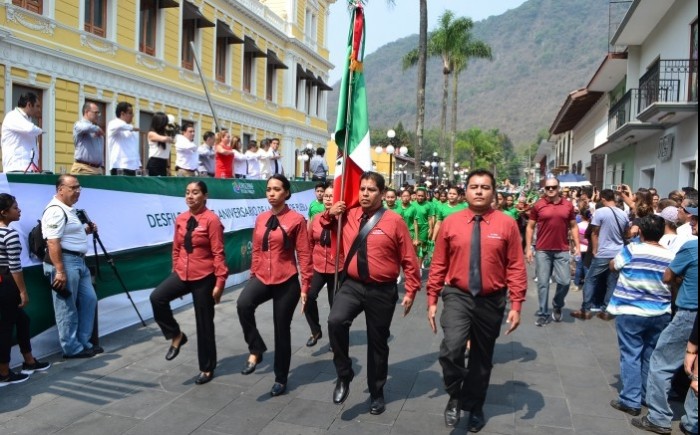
{"points": [[303, 156], [390, 150]]}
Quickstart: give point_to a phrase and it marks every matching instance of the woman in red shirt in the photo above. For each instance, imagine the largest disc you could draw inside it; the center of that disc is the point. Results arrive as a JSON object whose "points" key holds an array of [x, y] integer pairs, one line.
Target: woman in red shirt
{"points": [[279, 239], [324, 239], [224, 155], [199, 267]]}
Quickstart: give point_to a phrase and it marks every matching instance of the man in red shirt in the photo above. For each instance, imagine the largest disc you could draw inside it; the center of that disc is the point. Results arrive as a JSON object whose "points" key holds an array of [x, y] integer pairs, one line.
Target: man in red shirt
{"points": [[477, 264], [554, 217], [370, 286]]}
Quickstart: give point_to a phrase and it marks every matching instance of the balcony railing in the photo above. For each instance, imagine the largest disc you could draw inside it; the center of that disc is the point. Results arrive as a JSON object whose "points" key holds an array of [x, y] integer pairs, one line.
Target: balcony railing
{"points": [[624, 111], [669, 81]]}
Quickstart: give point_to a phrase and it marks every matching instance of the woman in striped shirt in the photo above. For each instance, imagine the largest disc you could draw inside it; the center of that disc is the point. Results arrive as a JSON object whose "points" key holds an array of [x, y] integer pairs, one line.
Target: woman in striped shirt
{"points": [[13, 296]]}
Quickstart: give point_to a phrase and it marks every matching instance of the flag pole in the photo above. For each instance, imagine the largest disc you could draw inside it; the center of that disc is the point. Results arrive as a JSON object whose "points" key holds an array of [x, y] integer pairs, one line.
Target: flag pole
{"points": [[204, 85], [344, 157]]}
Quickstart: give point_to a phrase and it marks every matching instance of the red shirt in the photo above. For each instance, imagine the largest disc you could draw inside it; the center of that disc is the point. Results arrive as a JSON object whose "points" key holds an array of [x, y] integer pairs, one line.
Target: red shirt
{"points": [[553, 224], [324, 256], [223, 165], [208, 255], [389, 247], [502, 262], [277, 265]]}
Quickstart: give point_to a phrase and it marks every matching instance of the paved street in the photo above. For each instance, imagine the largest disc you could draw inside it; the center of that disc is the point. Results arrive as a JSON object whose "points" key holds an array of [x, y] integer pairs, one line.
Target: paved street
{"points": [[557, 379]]}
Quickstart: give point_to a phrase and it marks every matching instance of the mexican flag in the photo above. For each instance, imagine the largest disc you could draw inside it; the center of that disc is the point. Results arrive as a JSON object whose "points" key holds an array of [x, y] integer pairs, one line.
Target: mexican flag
{"points": [[352, 125]]}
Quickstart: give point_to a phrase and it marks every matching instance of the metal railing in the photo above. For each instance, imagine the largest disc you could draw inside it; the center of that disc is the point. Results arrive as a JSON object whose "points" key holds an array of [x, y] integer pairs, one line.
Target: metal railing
{"points": [[624, 110], [669, 81]]}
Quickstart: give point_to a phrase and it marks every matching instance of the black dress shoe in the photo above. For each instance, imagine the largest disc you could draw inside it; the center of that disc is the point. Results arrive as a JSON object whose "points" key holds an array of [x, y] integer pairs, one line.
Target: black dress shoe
{"points": [[203, 378], [175, 351], [313, 339], [452, 413], [376, 405], [624, 408], [341, 391], [97, 350], [85, 353], [476, 421], [278, 389], [249, 367]]}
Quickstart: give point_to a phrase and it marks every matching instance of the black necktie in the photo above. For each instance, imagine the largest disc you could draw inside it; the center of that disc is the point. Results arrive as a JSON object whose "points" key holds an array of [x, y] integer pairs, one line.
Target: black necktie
{"points": [[191, 225], [325, 239], [277, 168], [362, 265], [475, 258]]}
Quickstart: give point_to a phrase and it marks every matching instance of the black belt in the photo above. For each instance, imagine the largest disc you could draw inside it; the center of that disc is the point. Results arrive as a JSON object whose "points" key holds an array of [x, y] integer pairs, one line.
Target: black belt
{"points": [[74, 253], [177, 168], [92, 165], [692, 310], [374, 283]]}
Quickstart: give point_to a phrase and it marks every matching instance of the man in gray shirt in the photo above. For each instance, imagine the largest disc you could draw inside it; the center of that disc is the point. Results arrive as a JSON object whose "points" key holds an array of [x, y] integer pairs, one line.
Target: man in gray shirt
{"points": [[89, 142], [318, 166], [610, 229]]}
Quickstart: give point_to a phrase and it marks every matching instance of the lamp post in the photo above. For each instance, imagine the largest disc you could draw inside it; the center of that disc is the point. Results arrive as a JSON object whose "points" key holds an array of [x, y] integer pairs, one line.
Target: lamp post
{"points": [[303, 156], [390, 150]]}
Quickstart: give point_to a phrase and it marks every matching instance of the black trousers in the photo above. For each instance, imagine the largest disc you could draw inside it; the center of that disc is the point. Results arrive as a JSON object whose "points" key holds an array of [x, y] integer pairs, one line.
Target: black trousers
{"points": [[157, 167], [318, 280], [378, 302], [172, 288], [285, 297], [128, 172], [11, 316], [479, 318]]}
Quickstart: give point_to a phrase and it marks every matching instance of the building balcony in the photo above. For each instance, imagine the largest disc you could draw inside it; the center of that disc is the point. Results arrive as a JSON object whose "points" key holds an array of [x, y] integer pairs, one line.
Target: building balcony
{"points": [[668, 92]]}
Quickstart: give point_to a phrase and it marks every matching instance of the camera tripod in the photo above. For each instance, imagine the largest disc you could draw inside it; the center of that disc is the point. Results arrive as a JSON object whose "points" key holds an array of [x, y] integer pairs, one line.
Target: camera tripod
{"points": [[95, 241]]}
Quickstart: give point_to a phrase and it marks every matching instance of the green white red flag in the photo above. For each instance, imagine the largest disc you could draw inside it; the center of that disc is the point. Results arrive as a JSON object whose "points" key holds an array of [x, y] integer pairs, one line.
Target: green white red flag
{"points": [[352, 125]]}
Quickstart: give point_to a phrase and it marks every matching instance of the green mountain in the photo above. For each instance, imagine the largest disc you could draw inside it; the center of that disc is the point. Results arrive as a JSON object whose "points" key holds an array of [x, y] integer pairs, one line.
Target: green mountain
{"points": [[542, 50]]}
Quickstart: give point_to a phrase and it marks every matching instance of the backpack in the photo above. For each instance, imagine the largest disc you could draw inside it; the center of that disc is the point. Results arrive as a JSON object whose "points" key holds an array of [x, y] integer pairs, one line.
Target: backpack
{"points": [[36, 241]]}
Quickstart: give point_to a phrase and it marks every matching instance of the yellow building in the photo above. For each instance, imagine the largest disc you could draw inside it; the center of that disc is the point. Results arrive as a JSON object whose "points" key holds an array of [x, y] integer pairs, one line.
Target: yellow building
{"points": [[265, 64]]}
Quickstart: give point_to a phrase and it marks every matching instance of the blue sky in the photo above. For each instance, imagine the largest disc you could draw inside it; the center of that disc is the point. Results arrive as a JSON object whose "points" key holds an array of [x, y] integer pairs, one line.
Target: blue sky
{"points": [[388, 23]]}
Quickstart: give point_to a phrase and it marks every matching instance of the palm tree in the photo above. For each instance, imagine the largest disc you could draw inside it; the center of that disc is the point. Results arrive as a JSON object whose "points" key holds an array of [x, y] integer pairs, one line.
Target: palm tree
{"points": [[465, 49], [422, 65]]}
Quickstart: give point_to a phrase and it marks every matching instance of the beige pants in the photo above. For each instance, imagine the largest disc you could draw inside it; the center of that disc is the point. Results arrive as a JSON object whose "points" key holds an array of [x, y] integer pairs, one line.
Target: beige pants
{"points": [[83, 169], [185, 173]]}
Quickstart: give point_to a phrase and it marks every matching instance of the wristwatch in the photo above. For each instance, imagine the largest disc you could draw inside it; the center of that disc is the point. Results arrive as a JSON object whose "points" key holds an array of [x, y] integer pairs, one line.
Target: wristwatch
{"points": [[693, 377]]}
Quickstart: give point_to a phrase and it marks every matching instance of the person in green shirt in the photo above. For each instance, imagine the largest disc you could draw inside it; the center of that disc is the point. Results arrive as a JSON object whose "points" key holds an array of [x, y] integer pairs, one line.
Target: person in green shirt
{"points": [[453, 205], [316, 205], [407, 212], [510, 209], [425, 218], [390, 200]]}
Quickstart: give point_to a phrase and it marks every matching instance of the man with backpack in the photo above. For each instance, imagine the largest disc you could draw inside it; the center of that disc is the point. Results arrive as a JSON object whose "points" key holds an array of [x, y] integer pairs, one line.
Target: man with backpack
{"points": [[74, 297]]}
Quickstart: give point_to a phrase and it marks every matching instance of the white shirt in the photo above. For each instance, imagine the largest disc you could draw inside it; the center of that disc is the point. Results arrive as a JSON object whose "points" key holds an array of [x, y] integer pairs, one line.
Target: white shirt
{"points": [[123, 145], [187, 155], [155, 150], [19, 136], [684, 230], [72, 232], [265, 161], [253, 164], [240, 164]]}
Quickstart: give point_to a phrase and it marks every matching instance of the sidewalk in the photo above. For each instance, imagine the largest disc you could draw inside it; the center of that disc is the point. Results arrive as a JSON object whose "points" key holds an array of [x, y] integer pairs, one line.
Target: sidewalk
{"points": [[556, 379]]}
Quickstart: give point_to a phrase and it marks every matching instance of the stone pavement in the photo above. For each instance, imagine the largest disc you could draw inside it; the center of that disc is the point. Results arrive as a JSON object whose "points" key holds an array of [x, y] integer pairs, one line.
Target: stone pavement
{"points": [[557, 379]]}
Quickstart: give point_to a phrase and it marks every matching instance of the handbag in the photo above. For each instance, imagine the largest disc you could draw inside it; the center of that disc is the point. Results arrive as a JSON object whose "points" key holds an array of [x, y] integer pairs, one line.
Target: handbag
{"points": [[361, 236]]}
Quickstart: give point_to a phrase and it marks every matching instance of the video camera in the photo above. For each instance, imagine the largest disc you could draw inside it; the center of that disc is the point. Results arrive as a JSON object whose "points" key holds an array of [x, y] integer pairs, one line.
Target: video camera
{"points": [[83, 216], [172, 128]]}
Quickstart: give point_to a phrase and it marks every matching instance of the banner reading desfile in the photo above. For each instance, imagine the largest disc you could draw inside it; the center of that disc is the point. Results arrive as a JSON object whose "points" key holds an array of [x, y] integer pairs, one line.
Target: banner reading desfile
{"points": [[135, 217]]}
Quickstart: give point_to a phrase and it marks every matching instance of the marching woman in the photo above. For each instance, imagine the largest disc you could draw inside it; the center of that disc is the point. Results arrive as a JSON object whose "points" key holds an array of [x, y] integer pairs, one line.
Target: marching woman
{"points": [[224, 155], [323, 239], [199, 267], [279, 239], [13, 297], [158, 146]]}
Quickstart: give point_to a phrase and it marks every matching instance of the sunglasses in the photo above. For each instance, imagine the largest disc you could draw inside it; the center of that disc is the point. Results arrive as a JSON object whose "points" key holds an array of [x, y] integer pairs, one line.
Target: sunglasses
{"points": [[551, 187]]}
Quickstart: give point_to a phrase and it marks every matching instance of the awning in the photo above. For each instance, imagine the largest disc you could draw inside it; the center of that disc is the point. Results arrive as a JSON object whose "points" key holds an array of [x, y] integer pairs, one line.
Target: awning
{"points": [[275, 61], [301, 74], [322, 85], [311, 76], [250, 47], [224, 31], [160, 4], [191, 12]]}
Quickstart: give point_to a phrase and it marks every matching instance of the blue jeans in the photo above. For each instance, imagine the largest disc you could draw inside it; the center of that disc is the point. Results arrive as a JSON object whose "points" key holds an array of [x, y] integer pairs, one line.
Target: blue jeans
{"points": [[667, 357], [553, 264], [581, 271], [75, 314], [637, 337], [599, 285]]}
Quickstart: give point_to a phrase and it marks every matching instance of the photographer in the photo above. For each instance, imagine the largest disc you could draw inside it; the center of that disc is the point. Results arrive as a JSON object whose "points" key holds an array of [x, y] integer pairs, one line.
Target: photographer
{"points": [[74, 298], [160, 135]]}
